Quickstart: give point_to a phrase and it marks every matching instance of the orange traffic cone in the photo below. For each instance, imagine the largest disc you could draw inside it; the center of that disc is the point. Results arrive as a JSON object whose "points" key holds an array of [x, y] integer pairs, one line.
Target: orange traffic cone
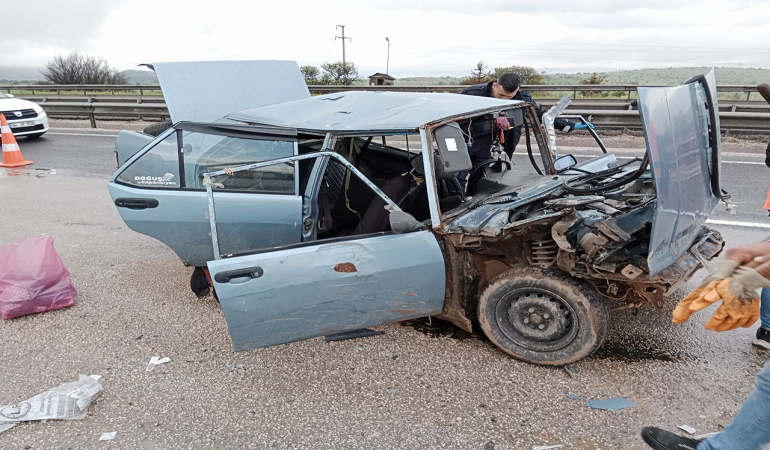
{"points": [[11, 154], [767, 201]]}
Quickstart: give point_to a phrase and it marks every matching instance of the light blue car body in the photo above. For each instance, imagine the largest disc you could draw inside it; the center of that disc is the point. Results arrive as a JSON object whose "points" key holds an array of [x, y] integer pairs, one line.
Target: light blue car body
{"points": [[278, 283]]}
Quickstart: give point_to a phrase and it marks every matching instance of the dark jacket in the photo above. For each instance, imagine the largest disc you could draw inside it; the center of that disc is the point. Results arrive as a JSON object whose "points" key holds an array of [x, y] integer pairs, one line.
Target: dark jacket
{"points": [[482, 140], [767, 156]]}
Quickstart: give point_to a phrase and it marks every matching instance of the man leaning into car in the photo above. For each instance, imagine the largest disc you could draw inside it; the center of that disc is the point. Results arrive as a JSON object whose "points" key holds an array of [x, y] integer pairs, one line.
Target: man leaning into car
{"points": [[506, 87]]}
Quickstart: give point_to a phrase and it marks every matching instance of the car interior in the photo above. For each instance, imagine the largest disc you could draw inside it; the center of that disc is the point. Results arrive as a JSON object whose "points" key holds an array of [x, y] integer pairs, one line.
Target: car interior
{"points": [[348, 206]]}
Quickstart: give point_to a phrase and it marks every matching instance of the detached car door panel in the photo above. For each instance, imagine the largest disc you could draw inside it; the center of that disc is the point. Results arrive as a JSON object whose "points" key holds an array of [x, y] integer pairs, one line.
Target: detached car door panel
{"points": [[321, 288]]}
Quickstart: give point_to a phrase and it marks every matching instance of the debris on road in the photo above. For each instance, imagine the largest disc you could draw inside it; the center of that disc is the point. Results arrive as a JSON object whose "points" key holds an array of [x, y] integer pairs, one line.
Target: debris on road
{"points": [[611, 404], [706, 435], [33, 278], [108, 436], [688, 429], [548, 447], [67, 401], [354, 334], [156, 361]]}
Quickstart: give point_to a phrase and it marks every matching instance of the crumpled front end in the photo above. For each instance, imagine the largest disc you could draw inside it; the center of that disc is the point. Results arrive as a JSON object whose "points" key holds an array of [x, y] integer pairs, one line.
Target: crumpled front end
{"points": [[610, 252], [601, 239]]}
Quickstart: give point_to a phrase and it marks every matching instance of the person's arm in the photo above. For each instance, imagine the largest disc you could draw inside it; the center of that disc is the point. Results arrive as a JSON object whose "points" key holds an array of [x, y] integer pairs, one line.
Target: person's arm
{"points": [[755, 256]]}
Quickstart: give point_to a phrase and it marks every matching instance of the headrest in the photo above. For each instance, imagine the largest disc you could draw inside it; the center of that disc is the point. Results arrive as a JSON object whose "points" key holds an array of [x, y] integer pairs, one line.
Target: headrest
{"points": [[438, 164], [418, 166]]}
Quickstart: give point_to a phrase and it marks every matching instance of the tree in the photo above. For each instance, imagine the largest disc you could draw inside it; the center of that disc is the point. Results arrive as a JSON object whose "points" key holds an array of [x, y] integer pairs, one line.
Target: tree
{"points": [[311, 74], [81, 69], [478, 75], [339, 73], [594, 78], [528, 74]]}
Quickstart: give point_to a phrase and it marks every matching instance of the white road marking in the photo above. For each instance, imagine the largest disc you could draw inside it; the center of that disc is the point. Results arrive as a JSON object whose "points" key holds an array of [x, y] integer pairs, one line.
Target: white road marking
{"points": [[750, 163], [738, 224], [82, 134]]}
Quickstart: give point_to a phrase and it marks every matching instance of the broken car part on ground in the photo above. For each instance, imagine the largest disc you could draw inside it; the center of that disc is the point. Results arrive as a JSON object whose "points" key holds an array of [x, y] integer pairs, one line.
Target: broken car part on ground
{"points": [[321, 215]]}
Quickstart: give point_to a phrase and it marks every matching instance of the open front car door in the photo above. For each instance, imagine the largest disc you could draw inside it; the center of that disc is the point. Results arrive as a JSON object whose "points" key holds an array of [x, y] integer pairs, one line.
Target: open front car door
{"points": [[296, 292]]}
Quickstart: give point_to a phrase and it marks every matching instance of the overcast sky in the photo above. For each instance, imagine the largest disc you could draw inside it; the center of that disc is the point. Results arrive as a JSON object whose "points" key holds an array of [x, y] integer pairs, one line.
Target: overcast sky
{"points": [[428, 37]]}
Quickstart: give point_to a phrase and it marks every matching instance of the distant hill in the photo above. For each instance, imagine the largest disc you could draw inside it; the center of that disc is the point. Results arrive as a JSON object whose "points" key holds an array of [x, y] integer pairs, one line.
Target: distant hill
{"points": [[19, 74], [672, 75], [428, 81], [138, 76]]}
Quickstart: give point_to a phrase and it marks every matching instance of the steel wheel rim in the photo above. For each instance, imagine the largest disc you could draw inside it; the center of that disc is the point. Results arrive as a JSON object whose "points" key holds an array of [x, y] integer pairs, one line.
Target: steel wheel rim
{"points": [[536, 319]]}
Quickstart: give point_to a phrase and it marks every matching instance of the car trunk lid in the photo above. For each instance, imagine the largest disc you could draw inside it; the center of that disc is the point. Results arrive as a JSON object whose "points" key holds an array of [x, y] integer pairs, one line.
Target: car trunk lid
{"points": [[204, 91]]}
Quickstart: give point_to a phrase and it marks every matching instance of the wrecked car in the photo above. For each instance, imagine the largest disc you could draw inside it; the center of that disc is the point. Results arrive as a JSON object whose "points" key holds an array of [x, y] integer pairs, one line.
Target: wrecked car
{"points": [[320, 215]]}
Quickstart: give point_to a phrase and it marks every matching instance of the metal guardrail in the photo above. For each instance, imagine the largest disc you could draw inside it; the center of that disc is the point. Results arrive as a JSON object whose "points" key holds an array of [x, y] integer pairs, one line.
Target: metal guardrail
{"points": [[114, 89], [146, 101]]}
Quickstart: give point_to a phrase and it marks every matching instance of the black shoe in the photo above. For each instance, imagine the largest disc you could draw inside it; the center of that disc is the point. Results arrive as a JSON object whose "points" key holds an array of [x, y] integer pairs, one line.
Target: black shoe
{"points": [[666, 440], [763, 339]]}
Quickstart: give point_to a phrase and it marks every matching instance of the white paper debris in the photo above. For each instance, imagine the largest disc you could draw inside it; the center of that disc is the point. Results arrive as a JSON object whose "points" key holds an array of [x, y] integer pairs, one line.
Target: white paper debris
{"points": [[66, 401], [547, 447], [687, 429], [108, 436], [707, 435], [156, 361]]}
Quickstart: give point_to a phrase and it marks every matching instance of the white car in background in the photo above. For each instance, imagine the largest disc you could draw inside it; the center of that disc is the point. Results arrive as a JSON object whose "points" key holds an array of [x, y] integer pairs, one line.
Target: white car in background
{"points": [[25, 118]]}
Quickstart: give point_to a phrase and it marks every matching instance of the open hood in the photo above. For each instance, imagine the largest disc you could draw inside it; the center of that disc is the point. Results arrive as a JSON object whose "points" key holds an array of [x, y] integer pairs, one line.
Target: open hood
{"points": [[681, 126], [204, 91]]}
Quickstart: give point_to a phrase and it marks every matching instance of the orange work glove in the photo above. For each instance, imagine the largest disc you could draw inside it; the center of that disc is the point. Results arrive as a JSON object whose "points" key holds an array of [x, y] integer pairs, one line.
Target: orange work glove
{"points": [[696, 300], [740, 300]]}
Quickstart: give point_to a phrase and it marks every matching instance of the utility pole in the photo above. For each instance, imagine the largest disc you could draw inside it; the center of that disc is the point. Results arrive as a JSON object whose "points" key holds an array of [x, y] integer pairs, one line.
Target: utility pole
{"points": [[343, 41], [387, 64]]}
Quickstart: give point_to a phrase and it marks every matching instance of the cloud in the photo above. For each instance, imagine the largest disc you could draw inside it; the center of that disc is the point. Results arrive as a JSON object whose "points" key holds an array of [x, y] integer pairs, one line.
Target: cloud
{"points": [[62, 23], [428, 37]]}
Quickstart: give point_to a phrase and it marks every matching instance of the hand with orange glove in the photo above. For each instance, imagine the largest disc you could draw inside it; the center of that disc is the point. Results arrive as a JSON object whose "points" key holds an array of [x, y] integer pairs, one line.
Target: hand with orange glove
{"points": [[740, 300], [696, 300]]}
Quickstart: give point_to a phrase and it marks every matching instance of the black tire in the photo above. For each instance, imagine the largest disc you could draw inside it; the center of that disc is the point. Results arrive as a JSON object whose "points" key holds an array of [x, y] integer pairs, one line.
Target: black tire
{"points": [[157, 128], [34, 136], [543, 317]]}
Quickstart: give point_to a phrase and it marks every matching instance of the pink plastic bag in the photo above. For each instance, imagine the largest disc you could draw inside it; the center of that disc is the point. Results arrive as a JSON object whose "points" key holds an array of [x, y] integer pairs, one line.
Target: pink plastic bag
{"points": [[33, 278]]}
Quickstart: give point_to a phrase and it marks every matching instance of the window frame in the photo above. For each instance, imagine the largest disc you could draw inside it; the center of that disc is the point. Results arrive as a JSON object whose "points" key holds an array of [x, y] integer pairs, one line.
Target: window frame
{"points": [[325, 153], [238, 131]]}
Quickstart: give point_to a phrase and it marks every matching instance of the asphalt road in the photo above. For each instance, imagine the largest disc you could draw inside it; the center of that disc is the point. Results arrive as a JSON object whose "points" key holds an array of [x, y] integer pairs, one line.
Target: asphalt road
{"points": [[417, 386]]}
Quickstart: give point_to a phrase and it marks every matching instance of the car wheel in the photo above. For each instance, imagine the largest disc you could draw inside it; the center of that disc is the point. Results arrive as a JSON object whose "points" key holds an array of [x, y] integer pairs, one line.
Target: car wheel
{"points": [[543, 317], [157, 128], [35, 136]]}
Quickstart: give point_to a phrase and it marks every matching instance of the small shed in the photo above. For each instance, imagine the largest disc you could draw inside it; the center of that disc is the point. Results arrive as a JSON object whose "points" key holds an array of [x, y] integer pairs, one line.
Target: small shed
{"points": [[381, 79]]}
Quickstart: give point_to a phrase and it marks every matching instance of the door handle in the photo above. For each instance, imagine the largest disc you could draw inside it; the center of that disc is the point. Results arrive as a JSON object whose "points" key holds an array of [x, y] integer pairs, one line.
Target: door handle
{"points": [[136, 203], [251, 272]]}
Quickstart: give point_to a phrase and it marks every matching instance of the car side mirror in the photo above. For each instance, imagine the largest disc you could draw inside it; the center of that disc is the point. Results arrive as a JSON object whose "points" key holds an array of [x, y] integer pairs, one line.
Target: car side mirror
{"points": [[563, 163], [11, 95], [401, 222]]}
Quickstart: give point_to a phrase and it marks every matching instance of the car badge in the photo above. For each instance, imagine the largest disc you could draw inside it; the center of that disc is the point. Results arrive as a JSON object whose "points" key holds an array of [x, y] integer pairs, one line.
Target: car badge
{"points": [[18, 113]]}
